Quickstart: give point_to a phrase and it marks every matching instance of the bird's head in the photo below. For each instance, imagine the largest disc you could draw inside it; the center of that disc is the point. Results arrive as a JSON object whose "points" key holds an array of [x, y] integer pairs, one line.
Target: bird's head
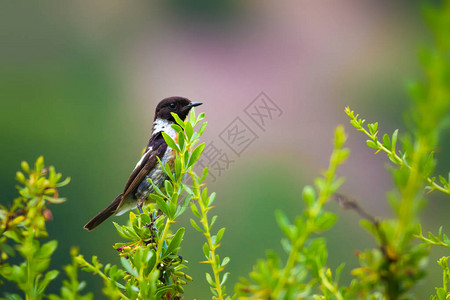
{"points": [[179, 105]]}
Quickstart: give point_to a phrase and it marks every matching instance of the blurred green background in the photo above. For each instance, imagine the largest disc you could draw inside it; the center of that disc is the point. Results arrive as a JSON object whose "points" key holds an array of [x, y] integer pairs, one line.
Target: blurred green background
{"points": [[79, 81]]}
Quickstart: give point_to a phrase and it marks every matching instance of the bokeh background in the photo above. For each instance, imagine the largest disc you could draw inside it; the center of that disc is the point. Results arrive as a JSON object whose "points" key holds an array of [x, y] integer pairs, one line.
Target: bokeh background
{"points": [[79, 81]]}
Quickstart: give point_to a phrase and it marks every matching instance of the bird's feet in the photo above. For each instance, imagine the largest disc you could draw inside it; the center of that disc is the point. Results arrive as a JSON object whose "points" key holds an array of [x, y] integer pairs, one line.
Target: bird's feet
{"points": [[139, 206]]}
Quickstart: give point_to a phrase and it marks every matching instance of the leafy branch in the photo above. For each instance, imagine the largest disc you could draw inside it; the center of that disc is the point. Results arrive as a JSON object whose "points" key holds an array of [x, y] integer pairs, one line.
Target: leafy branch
{"points": [[71, 288], [398, 264], [204, 204], [23, 225], [109, 273], [388, 145], [305, 254], [154, 269], [442, 293], [441, 239]]}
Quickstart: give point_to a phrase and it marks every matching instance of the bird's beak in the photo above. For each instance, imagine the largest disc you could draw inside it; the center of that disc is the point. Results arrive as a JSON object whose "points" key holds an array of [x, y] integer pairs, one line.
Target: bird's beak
{"points": [[193, 104]]}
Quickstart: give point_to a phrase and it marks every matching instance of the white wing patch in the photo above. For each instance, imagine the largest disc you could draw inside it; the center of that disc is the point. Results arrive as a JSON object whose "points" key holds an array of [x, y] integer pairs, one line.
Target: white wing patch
{"points": [[142, 158], [158, 126]]}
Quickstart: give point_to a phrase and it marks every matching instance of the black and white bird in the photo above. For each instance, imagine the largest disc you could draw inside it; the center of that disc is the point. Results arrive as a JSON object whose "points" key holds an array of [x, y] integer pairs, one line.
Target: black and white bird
{"points": [[138, 187]]}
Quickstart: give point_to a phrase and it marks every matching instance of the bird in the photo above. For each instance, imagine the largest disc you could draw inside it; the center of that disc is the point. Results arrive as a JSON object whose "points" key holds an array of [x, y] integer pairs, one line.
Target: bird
{"points": [[138, 188]]}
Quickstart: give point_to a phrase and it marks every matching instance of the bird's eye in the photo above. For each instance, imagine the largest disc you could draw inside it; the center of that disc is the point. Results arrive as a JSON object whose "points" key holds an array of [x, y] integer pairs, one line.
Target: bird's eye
{"points": [[172, 105]]}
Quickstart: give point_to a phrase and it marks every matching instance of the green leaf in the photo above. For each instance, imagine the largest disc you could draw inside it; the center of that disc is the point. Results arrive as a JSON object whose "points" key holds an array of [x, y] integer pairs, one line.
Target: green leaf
{"points": [[177, 128], [202, 129], [204, 197], [219, 236], [392, 158], [206, 250], [169, 188], [213, 220], [170, 142], [39, 165], [205, 173], [16, 297], [178, 167], [284, 224], [126, 264], [25, 167], [186, 159], [195, 210], [211, 198], [177, 119], [209, 279], [214, 292], [281, 218], [373, 128], [8, 249], [55, 200], [49, 277], [181, 209], [145, 218], [168, 171], [355, 124], [387, 141], [162, 205], [174, 243], [63, 183], [47, 249], [394, 140], [172, 207], [225, 261], [342, 155], [122, 232], [201, 116], [225, 277], [156, 197], [196, 154], [372, 144], [20, 177], [188, 190], [339, 137], [13, 235], [326, 221], [309, 195], [192, 116], [446, 240], [441, 293], [157, 190], [194, 224], [189, 131], [181, 142]]}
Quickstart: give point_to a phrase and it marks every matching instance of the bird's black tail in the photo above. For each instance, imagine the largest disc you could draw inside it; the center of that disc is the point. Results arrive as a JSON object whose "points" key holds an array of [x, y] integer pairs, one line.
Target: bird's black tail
{"points": [[104, 214]]}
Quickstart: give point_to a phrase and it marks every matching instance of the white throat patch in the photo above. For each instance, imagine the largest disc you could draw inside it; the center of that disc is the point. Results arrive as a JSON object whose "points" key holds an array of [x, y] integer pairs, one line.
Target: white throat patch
{"points": [[164, 125], [161, 125]]}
